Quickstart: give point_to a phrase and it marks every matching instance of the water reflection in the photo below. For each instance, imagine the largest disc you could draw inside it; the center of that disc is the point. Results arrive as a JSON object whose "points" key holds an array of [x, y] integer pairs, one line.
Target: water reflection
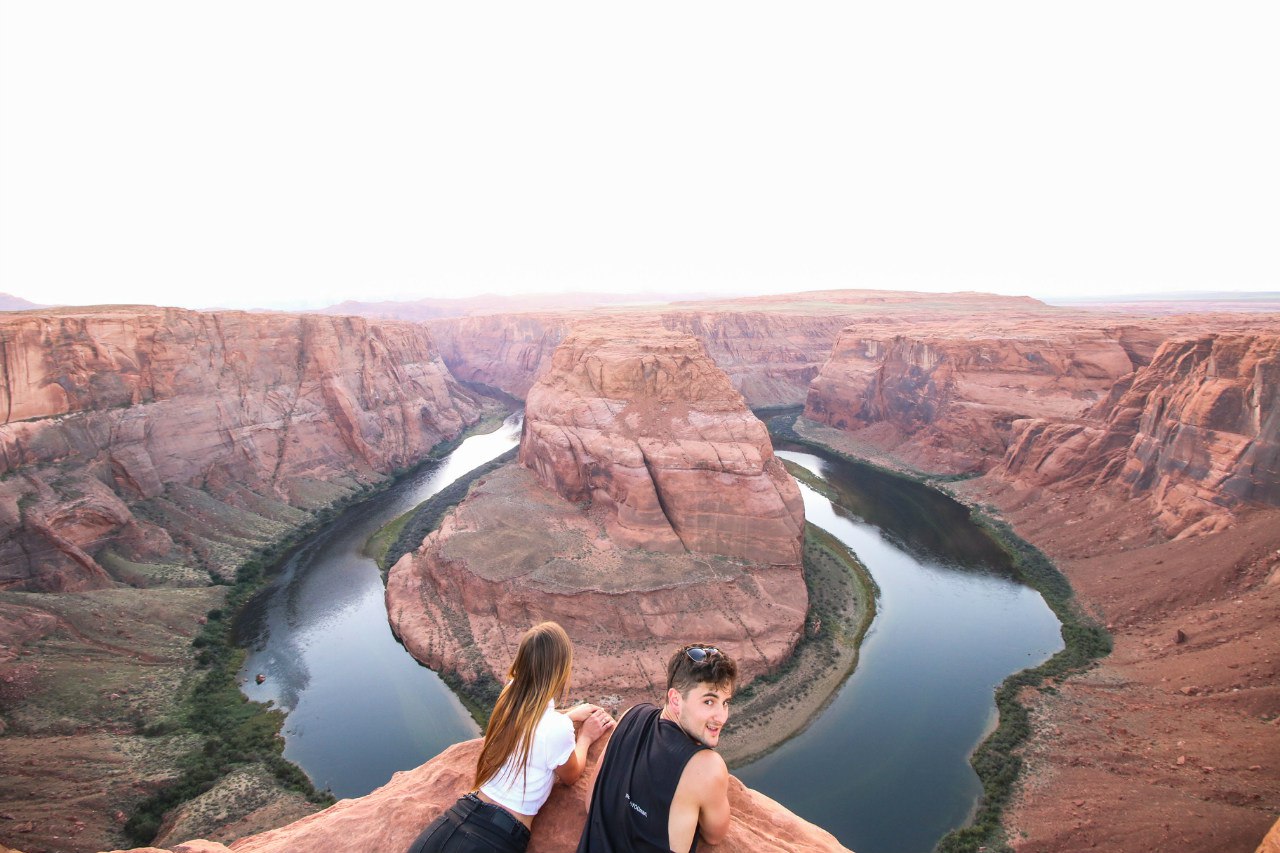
{"points": [[919, 520]]}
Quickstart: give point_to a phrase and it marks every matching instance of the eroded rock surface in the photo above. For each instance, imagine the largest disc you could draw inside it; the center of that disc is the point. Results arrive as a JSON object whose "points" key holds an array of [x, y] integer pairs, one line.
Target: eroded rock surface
{"points": [[392, 816], [1137, 491], [1196, 432], [769, 346], [221, 427], [646, 427], [952, 395], [648, 511], [944, 397]]}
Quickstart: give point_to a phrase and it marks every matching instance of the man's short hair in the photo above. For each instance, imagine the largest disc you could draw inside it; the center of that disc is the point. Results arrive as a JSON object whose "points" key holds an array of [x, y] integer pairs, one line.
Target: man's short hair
{"points": [[684, 673]]}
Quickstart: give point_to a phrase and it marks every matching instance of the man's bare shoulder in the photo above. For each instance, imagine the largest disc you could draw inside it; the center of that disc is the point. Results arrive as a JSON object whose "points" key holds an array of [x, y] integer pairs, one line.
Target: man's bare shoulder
{"points": [[706, 768]]}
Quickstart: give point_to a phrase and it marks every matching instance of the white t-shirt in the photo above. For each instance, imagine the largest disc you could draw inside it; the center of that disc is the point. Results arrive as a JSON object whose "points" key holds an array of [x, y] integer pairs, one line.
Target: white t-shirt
{"points": [[525, 792]]}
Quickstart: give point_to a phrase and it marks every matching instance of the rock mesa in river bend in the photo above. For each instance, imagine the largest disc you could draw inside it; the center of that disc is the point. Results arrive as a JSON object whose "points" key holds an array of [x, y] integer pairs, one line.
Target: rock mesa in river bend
{"points": [[650, 429], [649, 511]]}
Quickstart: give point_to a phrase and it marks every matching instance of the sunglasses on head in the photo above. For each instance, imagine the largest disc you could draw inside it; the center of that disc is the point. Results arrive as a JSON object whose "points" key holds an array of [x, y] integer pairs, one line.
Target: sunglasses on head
{"points": [[698, 654]]}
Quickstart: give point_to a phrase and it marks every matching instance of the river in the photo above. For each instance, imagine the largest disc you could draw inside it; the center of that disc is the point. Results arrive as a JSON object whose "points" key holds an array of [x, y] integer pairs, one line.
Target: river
{"points": [[359, 707], [884, 767]]}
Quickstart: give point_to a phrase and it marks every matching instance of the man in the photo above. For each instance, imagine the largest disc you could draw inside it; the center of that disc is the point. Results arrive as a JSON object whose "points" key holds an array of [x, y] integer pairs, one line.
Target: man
{"points": [[661, 785]]}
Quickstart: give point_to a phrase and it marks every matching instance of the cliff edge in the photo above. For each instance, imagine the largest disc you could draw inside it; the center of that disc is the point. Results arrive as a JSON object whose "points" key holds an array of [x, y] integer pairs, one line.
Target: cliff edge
{"points": [[388, 819]]}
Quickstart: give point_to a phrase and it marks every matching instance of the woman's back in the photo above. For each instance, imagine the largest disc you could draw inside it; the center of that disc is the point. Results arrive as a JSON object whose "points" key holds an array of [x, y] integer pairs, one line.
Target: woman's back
{"points": [[523, 789]]}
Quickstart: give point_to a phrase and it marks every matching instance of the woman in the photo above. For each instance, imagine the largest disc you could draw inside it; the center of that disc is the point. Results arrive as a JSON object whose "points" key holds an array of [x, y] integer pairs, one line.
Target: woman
{"points": [[527, 744]]}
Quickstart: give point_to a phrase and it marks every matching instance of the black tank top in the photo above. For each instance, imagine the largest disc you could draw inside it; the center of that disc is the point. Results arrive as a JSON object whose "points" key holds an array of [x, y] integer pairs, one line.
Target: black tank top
{"points": [[631, 801]]}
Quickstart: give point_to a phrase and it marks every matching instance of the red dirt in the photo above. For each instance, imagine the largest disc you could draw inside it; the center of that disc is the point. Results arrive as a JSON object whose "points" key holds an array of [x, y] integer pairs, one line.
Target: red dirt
{"points": [[1173, 741]]}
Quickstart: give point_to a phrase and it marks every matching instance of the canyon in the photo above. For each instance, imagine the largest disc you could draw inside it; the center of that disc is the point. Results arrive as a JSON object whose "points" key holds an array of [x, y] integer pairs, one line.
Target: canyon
{"points": [[1153, 489], [646, 507], [147, 451], [146, 454], [770, 346], [178, 439]]}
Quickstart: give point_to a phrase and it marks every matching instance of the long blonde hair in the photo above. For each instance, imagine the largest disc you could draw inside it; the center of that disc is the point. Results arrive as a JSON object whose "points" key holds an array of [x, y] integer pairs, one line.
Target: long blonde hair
{"points": [[539, 674]]}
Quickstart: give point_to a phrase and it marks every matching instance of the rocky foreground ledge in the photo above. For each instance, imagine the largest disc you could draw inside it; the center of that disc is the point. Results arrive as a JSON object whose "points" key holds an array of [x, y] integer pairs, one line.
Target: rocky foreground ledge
{"points": [[387, 820]]}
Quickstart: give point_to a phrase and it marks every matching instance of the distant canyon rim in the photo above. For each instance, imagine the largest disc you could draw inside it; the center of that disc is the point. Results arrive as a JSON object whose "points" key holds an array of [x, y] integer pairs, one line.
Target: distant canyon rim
{"points": [[148, 452]]}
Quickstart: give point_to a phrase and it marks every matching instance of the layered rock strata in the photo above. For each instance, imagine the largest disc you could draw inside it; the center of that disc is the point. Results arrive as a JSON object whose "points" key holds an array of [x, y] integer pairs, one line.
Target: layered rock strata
{"points": [[648, 511], [1196, 433], [1156, 499], [392, 816], [170, 437], [648, 428], [943, 392], [945, 398], [770, 347]]}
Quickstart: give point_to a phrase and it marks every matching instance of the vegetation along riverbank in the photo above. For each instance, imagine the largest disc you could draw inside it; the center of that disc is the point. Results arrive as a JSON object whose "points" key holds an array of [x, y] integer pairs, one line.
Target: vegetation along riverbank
{"points": [[996, 760], [236, 743]]}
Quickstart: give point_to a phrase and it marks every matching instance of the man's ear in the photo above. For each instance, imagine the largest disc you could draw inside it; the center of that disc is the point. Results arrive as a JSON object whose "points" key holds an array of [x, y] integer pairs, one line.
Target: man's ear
{"points": [[673, 699]]}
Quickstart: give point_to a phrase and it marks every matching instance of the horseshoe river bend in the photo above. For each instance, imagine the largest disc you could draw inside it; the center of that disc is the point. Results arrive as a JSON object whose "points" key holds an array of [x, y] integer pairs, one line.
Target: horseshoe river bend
{"points": [[885, 764]]}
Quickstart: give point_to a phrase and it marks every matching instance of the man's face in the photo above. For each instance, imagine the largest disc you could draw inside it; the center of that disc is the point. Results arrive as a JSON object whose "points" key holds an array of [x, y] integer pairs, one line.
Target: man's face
{"points": [[702, 711]]}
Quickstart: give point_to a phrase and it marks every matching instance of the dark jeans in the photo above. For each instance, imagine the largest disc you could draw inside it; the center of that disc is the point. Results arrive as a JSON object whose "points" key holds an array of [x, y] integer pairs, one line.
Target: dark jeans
{"points": [[472, 826]]}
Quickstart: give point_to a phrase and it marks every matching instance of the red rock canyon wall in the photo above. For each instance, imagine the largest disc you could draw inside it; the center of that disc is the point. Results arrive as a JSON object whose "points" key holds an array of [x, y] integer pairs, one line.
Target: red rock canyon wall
{"points": [[392, 816], [106, 411], [1196, 432]]}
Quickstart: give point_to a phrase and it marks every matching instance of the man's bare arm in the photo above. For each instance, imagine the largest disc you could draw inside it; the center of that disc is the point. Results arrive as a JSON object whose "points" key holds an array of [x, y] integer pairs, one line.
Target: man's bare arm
{"points": [[712, 779]]}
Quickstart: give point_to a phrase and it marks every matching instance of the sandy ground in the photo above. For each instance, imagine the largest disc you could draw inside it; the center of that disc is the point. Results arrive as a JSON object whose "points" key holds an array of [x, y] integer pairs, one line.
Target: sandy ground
{"points": [[1172, 742]]}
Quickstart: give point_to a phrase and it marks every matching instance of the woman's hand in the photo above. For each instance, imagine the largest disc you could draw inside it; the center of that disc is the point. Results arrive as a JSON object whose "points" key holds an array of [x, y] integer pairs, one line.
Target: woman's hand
{"points": [[597, 724], [594, 723], [578, 713]]}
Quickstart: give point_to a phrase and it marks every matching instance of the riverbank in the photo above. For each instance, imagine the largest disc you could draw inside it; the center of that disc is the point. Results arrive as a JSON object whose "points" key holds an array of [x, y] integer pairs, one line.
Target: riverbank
{"points": [[777, 707], [386, 537], [239, 766], [997, 759], [1171, 741]]}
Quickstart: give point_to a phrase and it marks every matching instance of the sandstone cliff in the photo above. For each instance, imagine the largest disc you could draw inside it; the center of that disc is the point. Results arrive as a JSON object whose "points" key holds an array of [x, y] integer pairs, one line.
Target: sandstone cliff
{"points": [[1196, 432], [1155, 495], [392, 816], [644, 425], [944, 397], [143, 437], [770, 347], [942, 389], [652, 512]]}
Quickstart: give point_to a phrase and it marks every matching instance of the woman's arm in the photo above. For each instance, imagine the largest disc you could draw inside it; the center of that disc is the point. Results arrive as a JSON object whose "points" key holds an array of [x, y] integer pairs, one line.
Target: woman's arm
{"points": [[578, 713], [595, 724]]}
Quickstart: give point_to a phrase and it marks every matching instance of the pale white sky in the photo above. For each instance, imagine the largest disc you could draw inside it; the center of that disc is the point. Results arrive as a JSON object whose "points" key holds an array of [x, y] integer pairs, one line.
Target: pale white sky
{"points": [[281, 154]]}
